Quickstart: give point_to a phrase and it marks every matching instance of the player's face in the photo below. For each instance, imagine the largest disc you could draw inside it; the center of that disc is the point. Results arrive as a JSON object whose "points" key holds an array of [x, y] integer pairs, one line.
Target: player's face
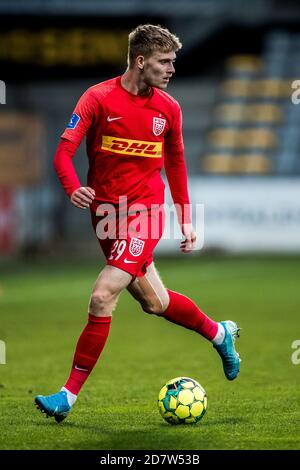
{"points": [[158, 69]]}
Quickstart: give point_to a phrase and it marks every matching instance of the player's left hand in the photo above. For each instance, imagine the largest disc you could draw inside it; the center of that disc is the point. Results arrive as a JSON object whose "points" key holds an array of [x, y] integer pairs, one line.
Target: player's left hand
{"points": [[189, 243]]}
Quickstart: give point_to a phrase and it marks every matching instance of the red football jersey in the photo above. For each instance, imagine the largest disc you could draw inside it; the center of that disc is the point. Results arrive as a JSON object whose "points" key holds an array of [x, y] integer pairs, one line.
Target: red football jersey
{"points": [[129, 139]]}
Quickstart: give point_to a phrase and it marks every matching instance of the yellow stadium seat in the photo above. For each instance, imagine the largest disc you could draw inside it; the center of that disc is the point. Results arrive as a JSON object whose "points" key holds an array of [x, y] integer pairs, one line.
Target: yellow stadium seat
{"points": [[243, 138], [237, 164]]}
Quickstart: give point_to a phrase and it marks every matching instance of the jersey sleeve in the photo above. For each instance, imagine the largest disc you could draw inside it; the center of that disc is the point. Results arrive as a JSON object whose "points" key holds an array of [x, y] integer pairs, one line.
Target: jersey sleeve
{"points": [[175, 168], [82, 118], [64, 166]]}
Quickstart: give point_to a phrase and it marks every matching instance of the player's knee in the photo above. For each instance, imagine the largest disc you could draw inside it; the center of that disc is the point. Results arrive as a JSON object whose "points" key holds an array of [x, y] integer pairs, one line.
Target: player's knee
{"points": [[101, 303]]}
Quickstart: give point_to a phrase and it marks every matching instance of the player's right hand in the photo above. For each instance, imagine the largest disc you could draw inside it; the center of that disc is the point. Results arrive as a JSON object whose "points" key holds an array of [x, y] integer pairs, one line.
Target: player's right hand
{"points": [[83, 197], [190, 237]]}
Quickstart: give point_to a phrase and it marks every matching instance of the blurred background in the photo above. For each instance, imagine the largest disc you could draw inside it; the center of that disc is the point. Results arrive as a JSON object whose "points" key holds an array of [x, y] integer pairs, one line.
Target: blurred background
{"points": [[233, 79]]}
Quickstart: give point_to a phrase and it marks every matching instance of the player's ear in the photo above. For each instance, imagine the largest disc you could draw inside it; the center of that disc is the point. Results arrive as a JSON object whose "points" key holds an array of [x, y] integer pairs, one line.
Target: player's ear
{"points": [[140, 60]]}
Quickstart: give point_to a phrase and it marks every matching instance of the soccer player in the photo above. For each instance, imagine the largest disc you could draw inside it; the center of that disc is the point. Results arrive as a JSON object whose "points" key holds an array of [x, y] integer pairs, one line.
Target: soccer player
{"points": [[133, 129]]}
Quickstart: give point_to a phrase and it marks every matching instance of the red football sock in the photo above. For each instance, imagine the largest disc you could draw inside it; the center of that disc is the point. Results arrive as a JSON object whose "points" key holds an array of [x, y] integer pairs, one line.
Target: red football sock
{"points": [[183, 311], [88, 350]]}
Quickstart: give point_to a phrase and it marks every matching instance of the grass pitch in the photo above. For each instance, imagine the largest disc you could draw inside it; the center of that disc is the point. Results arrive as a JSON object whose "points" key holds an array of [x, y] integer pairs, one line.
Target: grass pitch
{"points": [[43, 310]]}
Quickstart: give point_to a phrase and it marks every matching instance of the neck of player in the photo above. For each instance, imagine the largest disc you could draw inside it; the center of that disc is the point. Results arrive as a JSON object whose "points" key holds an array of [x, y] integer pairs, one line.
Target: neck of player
{"points": [[135, 84]]}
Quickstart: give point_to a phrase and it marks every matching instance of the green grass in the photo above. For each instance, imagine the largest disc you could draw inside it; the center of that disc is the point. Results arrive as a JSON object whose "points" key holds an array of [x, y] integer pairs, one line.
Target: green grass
{"points": [[43, 310]]}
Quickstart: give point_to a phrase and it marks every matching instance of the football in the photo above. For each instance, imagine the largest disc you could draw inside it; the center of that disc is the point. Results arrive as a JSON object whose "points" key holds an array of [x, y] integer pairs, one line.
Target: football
{"points": [[182, 401]]}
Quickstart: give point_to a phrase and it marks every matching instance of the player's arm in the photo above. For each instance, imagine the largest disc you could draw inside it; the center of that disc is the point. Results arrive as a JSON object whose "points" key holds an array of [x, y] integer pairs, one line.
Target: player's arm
{"points": [[81, 120], [80, 196], [176, 173]]}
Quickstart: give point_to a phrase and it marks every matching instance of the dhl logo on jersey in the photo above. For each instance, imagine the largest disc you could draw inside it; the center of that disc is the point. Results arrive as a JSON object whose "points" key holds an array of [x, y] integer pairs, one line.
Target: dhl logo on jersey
{"points": [[140, 148]]}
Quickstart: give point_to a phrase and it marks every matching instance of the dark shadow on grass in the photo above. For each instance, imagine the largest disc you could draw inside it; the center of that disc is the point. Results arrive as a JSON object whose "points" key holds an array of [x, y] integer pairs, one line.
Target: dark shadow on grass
{"points": [[207, 422], [70, 425], [104, 436], [232, 421], [227, 421], [52, 422]]}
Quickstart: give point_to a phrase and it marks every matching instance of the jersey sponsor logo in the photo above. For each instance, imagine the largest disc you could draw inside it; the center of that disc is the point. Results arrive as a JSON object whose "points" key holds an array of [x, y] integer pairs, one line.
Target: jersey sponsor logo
{"points": [[73, 121], [140, 148], [158, 125], [136, 246]]}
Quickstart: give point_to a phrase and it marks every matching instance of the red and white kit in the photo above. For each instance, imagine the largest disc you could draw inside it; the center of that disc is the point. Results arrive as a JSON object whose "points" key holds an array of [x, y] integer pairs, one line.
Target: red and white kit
{"points": [[129, 139]]}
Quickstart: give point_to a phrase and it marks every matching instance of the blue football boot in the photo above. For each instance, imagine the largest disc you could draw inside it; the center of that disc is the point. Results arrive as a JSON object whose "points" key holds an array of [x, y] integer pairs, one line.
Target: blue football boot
{"points": [[56, 405], [230, 358]]}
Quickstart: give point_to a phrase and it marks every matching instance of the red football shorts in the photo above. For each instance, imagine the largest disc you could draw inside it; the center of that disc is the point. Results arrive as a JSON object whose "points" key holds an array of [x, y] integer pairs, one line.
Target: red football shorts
{"points": [[128, 241]]}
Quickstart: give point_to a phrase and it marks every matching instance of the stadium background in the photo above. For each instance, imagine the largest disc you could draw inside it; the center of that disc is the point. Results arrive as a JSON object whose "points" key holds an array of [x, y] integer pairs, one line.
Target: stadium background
{"points": [[234, 79]]}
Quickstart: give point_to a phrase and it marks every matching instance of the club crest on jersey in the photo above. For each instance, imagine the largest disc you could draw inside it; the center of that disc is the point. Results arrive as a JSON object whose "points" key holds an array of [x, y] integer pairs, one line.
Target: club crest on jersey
{"points": [[158, 125], [73, 121], [136, 246]]}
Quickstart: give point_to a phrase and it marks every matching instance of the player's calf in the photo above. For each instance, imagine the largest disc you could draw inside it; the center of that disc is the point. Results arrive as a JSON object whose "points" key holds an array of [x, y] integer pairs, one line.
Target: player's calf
{"points": [[150, 292], [153, 307]]}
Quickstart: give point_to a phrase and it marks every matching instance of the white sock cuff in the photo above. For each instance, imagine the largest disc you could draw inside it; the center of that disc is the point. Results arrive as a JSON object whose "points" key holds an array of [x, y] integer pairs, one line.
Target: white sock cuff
{"points": [[70, 396], [219, 338]]}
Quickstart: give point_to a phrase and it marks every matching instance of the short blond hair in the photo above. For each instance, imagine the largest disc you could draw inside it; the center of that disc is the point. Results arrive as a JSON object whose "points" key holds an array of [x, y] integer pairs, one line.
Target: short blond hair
{"points": [[148, 38]]}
